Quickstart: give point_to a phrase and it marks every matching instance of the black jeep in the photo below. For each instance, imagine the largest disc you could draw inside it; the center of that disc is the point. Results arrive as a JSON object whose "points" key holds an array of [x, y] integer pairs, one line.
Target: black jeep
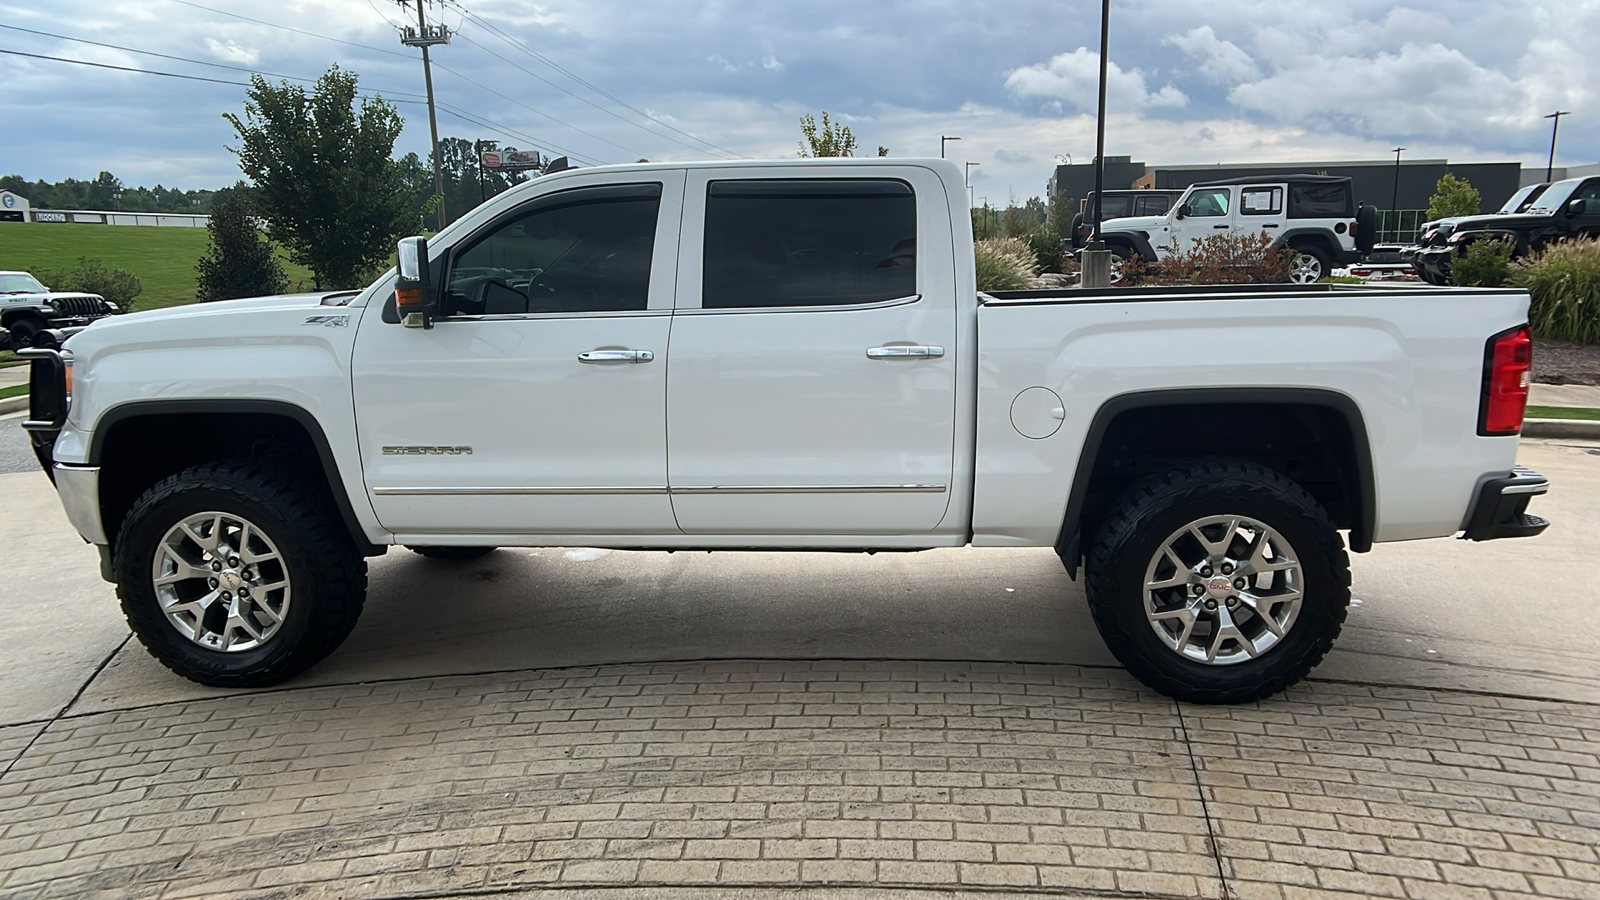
{"points": [[1563, 210]]}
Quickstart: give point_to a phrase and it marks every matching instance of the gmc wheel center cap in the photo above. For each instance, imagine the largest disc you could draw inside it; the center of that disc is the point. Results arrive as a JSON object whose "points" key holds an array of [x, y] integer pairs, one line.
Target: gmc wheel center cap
{"points": [[1219, 586], [230, 581]]}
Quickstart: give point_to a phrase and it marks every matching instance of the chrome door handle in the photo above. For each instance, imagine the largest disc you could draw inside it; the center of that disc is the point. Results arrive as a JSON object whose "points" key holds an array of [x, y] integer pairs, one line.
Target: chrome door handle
{"points": [[903, 352], [631, 356]]}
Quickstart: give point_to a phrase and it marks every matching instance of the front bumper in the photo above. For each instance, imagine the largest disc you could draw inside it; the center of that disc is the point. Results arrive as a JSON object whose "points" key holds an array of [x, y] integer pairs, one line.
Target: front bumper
{"points": [[1433, 261], [1500, 509]]}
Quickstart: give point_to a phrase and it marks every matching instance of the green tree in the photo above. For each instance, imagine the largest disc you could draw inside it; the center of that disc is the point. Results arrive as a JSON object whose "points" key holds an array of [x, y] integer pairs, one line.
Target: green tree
{"points": [[324, 176], [829, 140], [239, 262], [1453, 196]]}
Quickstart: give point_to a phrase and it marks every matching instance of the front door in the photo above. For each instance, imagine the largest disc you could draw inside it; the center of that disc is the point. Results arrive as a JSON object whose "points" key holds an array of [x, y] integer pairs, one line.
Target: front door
{"points": [[537, 402], [1207, 211], [811, 385]]}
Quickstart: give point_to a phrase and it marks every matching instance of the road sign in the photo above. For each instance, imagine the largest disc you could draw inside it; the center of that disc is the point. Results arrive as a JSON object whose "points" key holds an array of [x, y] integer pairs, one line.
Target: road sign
{"points": [[491, 159]]}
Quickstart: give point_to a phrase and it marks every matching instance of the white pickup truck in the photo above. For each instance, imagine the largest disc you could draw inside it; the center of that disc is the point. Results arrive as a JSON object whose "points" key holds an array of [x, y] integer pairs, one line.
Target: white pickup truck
{"points": [[782, 355]]}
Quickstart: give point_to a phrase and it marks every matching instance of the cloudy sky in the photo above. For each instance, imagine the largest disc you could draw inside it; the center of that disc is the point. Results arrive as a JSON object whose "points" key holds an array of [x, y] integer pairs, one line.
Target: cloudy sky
{"points": [[1192, 81]]}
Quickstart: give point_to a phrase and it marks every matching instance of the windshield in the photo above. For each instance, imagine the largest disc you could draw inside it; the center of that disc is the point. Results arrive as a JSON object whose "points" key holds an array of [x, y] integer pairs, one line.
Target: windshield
{"points": [[1554, 196], [1521, 200], [20, 283]]}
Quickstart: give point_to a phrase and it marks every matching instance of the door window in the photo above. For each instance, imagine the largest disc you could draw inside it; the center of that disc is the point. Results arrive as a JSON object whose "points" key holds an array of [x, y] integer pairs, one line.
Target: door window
{"points": [[585, 250], [1208, 203], [1261, 201], [1156, 205], [810, 242]]}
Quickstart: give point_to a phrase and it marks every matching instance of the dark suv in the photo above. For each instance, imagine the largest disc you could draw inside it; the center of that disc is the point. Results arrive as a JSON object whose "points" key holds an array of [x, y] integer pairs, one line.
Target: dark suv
{"points": [[1565, 209], [1437, 232]]}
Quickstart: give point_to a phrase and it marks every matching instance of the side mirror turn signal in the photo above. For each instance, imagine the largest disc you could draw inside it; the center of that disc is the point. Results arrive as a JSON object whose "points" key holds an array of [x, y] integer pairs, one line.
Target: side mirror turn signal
{"points": [[413, 290]]}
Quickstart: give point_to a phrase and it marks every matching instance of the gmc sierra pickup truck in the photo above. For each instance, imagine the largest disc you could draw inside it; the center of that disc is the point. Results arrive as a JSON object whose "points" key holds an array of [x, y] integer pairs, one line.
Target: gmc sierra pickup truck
{"points": [[783, 355]]}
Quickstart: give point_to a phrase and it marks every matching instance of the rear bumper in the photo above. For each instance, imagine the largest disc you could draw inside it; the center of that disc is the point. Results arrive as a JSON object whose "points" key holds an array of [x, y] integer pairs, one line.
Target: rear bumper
{"points": [[1500, 509], [1433, 261]]}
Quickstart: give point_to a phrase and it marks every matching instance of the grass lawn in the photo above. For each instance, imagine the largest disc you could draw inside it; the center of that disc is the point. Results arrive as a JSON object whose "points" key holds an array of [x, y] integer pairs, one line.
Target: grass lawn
{"points": [[163, 258], [1564, 412], [15, 390]]}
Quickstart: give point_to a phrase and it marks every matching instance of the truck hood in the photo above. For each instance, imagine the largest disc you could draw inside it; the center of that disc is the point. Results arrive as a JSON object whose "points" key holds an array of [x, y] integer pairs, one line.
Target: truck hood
{"points": [[1133, 223], [1513, 220]]}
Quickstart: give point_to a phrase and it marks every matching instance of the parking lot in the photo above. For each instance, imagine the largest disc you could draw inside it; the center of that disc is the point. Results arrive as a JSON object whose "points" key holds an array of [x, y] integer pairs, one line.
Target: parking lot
{"points": [[588, 722]]}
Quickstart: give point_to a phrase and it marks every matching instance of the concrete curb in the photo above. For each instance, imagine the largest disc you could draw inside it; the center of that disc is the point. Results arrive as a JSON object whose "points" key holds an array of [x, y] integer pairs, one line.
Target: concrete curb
{"points": [[1561, 428], [13, 404]]}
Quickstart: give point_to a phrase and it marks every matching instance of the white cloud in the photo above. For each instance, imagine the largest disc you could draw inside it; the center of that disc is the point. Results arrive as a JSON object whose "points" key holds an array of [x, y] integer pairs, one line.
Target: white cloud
{"points": [[772, 64], [229, 51], [1219, 60], [1074, 78]]}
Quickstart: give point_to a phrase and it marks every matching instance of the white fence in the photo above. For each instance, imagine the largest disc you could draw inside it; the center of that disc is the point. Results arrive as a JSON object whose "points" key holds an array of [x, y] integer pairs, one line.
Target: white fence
{"points": [[110, 217]]}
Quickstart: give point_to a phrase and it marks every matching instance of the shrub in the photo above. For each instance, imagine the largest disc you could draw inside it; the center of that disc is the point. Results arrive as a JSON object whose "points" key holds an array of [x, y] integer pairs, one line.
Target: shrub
{"points": [[91, 275], [1229, 258], [1340, 279], [1485, 263], [239, 262], [1004, 264], [1564, 280], [1049, 251]]}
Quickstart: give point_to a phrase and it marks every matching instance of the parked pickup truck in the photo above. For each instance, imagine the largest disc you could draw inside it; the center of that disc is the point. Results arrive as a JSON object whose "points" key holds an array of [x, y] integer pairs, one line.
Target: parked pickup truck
{"points": [[782, 355]]}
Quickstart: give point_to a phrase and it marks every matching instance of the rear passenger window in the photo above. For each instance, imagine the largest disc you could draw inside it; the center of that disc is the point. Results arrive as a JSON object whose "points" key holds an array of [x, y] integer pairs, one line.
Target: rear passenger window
{"points": [[809, 242], [1261, 201], [1320, 201], [1156, 205]]}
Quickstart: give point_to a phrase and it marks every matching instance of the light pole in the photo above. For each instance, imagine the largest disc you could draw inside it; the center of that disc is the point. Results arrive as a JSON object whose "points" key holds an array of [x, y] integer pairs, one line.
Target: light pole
{"points": [[1555, 123], [969, 181], [942, 140], [1394, 198]]}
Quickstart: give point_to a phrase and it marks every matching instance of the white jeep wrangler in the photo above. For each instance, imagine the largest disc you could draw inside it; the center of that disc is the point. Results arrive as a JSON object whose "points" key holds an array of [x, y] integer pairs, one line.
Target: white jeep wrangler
{"points": [[1316, 215]]}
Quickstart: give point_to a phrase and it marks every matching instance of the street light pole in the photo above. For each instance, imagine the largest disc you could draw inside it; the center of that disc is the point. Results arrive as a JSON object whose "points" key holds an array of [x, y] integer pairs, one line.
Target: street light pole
{"points": [[1394, 199], [942, 139], [1100, 120], [1554, 124]]}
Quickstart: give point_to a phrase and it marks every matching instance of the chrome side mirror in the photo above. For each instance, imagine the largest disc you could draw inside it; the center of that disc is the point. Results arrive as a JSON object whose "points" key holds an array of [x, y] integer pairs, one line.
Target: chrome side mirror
{"points": [[413, 290]]}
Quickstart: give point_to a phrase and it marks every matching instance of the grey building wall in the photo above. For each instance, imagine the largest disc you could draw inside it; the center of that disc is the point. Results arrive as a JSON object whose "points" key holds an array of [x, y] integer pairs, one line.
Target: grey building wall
{"points": [[1078, 180]]}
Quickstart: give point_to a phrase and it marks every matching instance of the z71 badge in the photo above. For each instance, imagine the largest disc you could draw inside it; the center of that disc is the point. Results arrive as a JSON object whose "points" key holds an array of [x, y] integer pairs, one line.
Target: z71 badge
{"points": [[427, 451]]}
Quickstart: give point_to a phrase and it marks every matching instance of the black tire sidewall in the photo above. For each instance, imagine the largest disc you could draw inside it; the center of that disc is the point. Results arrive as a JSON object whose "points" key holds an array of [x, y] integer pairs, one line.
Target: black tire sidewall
{"points": [[1319, 620], [135, 553]]}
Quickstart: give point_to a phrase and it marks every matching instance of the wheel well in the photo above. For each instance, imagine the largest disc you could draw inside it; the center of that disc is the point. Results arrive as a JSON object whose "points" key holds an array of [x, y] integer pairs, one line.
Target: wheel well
{"points": [[1320, 443], [1319, 241], [136, 451]]}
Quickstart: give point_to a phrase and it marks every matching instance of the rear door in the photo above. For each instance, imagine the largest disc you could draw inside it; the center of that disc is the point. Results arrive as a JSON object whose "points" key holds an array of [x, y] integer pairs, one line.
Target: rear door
{"points": [[811, 380], [1261, 208]]}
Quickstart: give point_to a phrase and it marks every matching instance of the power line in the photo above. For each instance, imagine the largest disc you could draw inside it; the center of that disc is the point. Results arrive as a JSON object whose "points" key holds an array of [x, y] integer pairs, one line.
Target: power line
{"points": [[84, 62], [223, 12], [198, 62], [579, 97], [466, 117], [406, 56], [532, 110], [497, 32]]}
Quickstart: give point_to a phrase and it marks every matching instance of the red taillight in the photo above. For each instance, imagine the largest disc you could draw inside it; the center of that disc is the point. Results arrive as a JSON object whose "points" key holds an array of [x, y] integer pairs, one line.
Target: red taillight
{"points": [[1507, 362]]}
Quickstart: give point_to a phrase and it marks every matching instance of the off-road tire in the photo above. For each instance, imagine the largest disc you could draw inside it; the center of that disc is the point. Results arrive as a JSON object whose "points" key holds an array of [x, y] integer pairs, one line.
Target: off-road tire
{"points": [[1366, 228], [1324, 262], [22, 330], [1137, 526], [327, 574], [456, 553]]}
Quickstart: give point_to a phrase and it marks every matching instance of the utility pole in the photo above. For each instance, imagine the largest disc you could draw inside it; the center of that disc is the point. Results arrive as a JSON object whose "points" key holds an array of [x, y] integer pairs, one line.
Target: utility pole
{"points": [[1554, 124], [478, 147], [424, 37]]}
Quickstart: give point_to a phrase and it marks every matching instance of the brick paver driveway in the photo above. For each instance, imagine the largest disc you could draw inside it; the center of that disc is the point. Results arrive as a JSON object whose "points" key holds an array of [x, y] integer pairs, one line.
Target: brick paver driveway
{"points": [[848, 777]]}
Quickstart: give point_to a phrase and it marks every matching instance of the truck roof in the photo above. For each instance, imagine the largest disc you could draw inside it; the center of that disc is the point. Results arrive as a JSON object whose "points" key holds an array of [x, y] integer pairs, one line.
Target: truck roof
{"points": [[1274, 179]]}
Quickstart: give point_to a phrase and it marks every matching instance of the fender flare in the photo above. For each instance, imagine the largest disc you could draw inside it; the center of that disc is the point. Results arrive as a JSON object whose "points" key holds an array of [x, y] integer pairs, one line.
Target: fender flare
{"points": [[300, 415], [1360, 483], [1133, 241]]}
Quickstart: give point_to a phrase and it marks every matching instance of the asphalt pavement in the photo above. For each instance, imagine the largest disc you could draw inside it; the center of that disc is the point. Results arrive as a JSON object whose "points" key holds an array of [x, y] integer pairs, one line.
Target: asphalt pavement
{"points": [[574, 722], [16, 454]]}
